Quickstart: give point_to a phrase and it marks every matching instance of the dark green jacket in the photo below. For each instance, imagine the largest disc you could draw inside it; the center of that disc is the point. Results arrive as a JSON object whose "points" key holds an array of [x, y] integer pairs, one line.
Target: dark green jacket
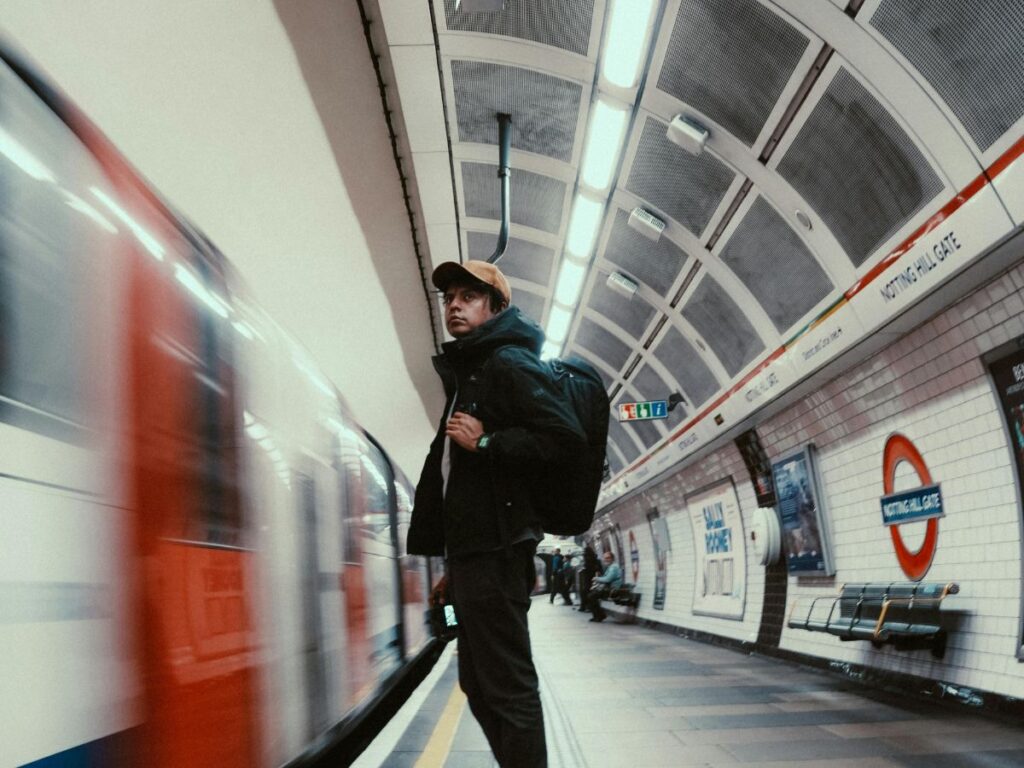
{"points": [[501, 381]]}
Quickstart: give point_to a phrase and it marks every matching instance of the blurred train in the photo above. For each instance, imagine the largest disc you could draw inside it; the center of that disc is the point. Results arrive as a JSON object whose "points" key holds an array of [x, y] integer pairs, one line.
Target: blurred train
{"points": [[201, 553]]}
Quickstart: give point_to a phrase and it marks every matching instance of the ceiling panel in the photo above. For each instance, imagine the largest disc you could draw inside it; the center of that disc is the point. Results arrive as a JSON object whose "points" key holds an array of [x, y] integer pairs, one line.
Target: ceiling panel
{"points": [[535, 200], [679, 357], [546, 108], [774, 264], [602, 344], [969, 52], [624, 441], [688, 188], [731, 60], [857, 167], [722, 324], [631, 314], [522, 259], [562, 24], [656, 264]]}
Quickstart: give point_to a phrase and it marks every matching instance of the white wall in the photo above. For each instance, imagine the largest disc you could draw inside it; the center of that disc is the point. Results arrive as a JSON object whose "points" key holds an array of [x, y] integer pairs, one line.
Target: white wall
{"points": [[930, 385]]}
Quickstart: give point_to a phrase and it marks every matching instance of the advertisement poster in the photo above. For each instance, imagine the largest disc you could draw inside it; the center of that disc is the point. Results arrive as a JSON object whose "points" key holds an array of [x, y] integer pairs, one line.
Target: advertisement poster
{"points": [[1006, 366], [720, 551], [804, 530], [662, 546]]}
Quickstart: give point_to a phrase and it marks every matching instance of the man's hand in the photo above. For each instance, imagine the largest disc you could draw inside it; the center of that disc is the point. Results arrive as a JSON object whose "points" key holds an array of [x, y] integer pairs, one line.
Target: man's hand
{"points": [[465, 430], [439, 594]]}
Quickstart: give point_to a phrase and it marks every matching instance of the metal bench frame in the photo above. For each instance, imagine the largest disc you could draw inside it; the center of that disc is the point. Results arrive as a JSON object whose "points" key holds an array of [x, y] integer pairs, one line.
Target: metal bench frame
{"points": [[870, 617]]}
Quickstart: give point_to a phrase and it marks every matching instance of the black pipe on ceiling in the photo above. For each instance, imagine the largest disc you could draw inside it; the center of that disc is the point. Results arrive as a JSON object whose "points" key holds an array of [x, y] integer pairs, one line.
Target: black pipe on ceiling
{"points": [[504, 147]]}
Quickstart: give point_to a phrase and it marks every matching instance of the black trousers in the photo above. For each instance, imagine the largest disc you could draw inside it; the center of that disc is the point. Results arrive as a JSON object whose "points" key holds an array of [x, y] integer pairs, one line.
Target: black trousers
{"points": [[491, 594]]}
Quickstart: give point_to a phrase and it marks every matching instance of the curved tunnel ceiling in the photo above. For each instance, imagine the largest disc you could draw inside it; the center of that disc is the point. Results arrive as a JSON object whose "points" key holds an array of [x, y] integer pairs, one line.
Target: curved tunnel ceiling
{"points": [[839, 133]]}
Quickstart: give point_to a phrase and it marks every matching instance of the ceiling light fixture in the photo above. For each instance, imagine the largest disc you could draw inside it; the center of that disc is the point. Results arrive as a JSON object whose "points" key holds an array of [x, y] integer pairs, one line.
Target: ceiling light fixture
{"points": [[559, 319], [570, 282], [583, 226], [622, 285], [604, 140], [688, 134], [624, 47], [646, 223]]}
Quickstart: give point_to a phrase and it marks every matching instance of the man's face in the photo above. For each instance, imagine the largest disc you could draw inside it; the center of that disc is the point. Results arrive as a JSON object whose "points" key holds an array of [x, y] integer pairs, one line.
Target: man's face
{"points": [[607, 558], [465, 308]]}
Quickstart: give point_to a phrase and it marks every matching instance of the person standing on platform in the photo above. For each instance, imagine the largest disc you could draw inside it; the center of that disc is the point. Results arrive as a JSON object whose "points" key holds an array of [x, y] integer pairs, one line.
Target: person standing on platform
{"points": [[591, 568], [556, 575], [504, 422], [603, 585]]}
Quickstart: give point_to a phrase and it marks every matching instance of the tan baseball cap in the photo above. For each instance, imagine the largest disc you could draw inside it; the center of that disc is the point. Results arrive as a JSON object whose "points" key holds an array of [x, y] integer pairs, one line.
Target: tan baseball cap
{"points": [[483, 271]]}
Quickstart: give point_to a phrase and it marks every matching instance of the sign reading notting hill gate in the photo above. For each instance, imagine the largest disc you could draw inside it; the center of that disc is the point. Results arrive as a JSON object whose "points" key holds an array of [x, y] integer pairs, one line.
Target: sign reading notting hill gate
{"points": [[652, 409]]}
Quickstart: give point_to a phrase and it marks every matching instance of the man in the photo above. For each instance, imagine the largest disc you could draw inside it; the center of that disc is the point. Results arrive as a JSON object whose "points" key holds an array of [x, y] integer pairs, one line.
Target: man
{"points": [[556, 574], [603, 585], [504, 425]]}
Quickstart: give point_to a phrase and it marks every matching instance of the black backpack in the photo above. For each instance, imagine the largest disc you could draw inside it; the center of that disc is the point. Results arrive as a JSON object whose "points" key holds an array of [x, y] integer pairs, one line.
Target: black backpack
{"points": [[568, 499]]}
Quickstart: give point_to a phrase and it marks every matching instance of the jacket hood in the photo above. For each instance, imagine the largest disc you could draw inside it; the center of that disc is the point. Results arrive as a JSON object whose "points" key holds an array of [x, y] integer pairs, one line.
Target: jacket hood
{"points": [[508, 327]]}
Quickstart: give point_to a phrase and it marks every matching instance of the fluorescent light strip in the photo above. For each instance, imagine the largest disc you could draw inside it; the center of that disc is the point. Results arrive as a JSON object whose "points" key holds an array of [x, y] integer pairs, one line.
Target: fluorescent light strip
{"points": [[559, 319], [604, 143], [583, 226], [624, 47], [570, 282]]}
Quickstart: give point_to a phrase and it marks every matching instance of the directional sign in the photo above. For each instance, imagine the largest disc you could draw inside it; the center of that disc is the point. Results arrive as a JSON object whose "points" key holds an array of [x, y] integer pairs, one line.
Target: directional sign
{"points": [[654, 409]]}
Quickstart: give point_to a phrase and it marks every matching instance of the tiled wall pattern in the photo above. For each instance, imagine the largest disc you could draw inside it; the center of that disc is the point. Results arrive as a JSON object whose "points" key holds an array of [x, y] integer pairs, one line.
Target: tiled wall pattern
{"points": [[930, 385]]}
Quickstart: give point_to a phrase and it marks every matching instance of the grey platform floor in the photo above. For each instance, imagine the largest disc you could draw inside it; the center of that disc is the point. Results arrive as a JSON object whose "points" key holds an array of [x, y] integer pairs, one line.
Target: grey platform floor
{"points": [[618, 695]]}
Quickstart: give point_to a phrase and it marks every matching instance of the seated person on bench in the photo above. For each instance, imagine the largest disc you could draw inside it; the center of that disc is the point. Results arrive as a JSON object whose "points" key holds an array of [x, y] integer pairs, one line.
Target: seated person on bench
{"points": [[603, 585]]}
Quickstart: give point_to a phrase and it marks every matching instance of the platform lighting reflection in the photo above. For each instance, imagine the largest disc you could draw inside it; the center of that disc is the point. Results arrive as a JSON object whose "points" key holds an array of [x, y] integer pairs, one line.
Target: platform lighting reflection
{"points": [[604, 140], [583, 226], [25, 160], [570, 282], [314, 377], [78, 204], [624, 46], [185, 276], [243, 330], [149, 242], [558, 323]]}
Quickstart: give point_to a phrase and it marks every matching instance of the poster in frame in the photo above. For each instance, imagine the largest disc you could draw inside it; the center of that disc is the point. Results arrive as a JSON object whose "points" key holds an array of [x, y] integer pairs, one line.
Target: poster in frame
{"points": [[720, 554], [805, 533], [1006, 369]]}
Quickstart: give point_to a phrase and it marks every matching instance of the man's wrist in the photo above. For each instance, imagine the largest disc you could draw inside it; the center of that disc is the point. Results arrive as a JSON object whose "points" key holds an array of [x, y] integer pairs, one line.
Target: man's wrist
{"points": [[483, 441]]}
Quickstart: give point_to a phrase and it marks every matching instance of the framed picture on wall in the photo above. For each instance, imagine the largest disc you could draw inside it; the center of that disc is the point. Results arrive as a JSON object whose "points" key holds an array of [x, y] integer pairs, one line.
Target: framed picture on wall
{"points": [[805, 534], [1006, 367]]}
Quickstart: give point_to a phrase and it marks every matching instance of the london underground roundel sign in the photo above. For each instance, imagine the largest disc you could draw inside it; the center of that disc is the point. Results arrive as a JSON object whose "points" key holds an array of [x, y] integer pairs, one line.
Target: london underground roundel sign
{"points": [[899, 448]]}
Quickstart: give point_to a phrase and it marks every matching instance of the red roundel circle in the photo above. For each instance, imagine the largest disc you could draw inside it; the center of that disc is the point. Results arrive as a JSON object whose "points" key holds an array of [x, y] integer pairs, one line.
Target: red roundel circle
{"points": [[915, 564]]}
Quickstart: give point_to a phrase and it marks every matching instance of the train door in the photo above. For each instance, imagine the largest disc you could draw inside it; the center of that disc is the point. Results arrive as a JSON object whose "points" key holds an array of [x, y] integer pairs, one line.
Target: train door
{"points": [[197, 593], [312, 618], [369, 571]]}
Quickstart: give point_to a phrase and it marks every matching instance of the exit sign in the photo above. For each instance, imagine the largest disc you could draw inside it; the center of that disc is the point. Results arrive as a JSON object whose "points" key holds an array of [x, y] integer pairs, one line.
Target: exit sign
{"points": [[654, 409]]}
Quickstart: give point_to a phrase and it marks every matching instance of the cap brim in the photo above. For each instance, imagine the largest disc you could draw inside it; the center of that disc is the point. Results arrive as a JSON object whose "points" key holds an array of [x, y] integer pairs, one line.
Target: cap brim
{"points": [[449, 272]]}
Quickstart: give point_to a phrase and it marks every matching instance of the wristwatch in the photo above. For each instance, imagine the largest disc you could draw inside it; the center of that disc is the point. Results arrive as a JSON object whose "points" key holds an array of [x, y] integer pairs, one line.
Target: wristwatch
{"points": [[482, 442]]}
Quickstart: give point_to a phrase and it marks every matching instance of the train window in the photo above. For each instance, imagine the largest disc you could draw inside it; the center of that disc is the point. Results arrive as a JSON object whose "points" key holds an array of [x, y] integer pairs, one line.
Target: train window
{"points": [[52, 242]]}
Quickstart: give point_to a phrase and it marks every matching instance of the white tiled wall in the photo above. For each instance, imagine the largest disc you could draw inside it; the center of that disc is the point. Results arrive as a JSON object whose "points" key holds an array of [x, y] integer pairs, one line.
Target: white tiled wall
{"points": [[931, 386]]}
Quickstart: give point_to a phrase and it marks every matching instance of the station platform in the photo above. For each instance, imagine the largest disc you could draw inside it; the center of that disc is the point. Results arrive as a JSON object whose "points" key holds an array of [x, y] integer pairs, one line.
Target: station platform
{"points": [[619, 695]]}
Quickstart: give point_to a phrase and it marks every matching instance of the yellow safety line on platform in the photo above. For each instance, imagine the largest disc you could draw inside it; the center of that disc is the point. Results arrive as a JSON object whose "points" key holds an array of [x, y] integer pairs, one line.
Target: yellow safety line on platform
{"points": [[440, 744]]}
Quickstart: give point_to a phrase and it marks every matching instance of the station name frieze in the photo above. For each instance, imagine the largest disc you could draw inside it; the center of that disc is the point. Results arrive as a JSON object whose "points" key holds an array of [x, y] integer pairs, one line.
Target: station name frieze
{"points": [[930, 259]]}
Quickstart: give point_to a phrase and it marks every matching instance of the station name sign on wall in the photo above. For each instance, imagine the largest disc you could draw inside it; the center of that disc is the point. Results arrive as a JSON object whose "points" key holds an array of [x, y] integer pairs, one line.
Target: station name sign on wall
{"points": [[918, 504], [652, 409]]}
